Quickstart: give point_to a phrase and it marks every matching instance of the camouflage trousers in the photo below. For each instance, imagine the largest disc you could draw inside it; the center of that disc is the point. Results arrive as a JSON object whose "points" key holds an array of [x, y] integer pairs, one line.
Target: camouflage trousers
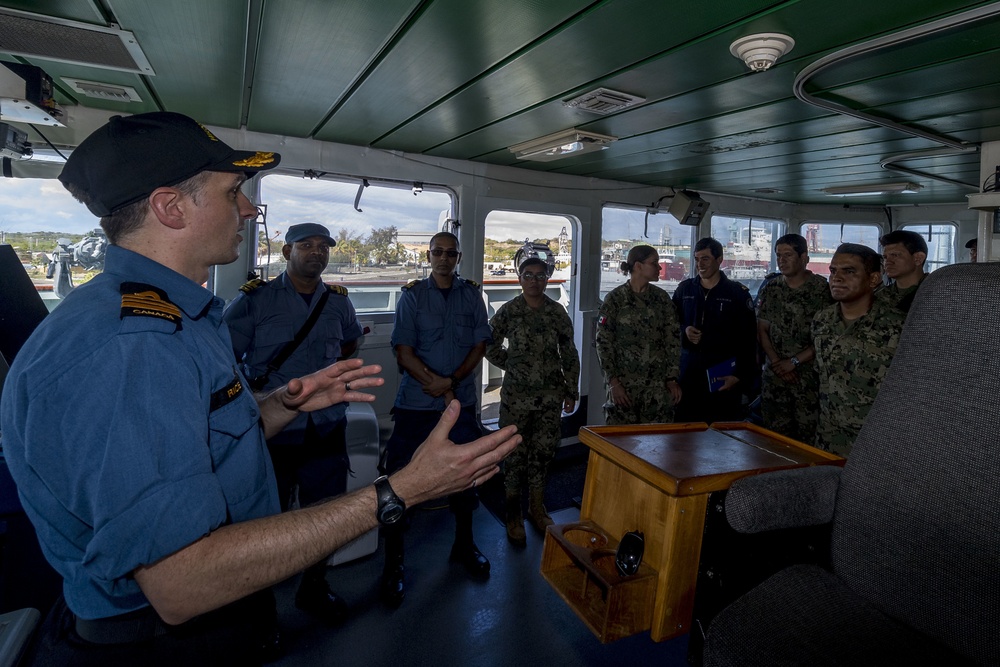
{"points": [[790, 409], [538, 423], [648, 406]]}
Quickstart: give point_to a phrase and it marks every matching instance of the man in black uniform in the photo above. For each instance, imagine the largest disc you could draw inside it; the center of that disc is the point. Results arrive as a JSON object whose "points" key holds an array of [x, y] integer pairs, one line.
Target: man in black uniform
{"points": [[718, 340]]}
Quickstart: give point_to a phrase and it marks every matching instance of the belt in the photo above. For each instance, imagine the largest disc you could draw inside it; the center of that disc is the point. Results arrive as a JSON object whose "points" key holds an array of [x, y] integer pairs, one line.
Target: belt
{"points": [[135, 626]]}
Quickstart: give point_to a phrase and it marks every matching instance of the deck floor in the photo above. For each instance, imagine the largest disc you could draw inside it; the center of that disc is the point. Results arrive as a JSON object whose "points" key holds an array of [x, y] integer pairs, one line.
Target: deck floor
{"points": [[447, 619]]}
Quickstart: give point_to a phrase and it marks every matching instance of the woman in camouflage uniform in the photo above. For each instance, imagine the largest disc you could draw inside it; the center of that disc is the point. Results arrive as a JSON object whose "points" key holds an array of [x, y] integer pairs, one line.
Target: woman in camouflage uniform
{"points": [[638, 344]]}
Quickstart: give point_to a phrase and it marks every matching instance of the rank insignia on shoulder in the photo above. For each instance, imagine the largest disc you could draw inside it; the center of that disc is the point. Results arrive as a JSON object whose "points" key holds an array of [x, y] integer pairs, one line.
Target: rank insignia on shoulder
{"points": [[411, 284], [473, 283], [337, 289], [251, 285], [141, 300]]}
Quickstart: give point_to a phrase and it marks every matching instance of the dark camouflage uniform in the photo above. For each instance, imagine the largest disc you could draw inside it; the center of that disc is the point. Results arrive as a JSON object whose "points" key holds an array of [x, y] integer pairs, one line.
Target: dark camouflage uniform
{"points": [[900, 299], [542, 369], [792, 409], [851, 358], [638, 342]]}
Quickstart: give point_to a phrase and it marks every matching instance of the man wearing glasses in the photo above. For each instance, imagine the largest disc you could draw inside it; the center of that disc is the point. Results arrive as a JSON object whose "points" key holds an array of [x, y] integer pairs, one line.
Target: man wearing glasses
{"points": [[541, 367], [440, 336]]}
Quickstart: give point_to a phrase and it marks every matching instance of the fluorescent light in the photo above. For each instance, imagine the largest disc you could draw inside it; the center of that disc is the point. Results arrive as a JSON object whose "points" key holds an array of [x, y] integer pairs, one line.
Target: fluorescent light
{"points": [[560, 144], [872, 189]]}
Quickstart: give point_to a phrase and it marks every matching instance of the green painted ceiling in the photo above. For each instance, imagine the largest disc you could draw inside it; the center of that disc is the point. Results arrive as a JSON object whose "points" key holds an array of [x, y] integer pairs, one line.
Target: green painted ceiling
{"points": [[468, 78]]}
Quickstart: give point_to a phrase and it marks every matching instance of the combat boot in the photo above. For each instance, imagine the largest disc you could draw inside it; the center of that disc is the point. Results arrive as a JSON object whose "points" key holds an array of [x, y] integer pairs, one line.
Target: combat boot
{"points": [[536, 509], [465, 551], [515, 520]]}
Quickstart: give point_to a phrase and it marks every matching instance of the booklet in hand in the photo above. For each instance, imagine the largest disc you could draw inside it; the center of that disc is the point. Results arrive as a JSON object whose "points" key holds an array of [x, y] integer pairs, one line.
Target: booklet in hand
{"points": [[718, 372]]}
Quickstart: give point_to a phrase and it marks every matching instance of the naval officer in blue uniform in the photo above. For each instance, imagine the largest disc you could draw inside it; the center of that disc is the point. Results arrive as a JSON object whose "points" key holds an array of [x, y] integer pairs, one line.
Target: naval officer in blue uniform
{"points": [[264, 321], [138, 451], [440, 337]]}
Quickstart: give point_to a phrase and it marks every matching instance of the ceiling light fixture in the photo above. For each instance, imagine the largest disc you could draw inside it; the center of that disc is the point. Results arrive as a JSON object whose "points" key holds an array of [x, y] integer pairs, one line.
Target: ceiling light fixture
{"points": [[873, 189], [762, 50], [561, 144]]}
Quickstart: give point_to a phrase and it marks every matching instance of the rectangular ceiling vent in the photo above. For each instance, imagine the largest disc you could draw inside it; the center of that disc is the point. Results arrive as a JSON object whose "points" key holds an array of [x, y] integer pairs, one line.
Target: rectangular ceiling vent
{"points": [[604, 101], [62, 40], [103, 91]]}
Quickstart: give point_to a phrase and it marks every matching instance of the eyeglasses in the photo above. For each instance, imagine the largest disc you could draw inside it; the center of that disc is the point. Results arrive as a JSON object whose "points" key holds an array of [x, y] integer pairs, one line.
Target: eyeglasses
{"points": [[437, 252], [534, 276]]}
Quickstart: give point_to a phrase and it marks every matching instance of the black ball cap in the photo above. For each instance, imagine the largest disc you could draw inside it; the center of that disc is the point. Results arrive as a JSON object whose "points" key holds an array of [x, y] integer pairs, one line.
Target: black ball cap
{"points": [[129, 157]]}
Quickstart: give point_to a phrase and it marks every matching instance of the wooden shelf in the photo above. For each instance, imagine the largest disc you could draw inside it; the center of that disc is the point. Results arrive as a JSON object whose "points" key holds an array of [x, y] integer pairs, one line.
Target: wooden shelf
{"points": [[579, 562]]}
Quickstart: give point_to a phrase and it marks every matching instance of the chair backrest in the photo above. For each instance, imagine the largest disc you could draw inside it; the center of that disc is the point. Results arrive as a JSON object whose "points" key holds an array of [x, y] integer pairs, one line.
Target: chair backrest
{"points": [[917, 525]]}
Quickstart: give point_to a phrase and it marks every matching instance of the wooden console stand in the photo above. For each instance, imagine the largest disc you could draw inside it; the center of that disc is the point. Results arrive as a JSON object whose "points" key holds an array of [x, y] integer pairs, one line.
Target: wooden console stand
{"points": [[655, 479]]}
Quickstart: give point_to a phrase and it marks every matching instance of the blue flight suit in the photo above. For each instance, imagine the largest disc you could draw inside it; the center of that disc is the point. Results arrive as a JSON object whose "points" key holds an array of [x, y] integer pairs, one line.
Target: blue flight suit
{"points": [[442, 326], [728, 323], [311, 451], [130, 431]]}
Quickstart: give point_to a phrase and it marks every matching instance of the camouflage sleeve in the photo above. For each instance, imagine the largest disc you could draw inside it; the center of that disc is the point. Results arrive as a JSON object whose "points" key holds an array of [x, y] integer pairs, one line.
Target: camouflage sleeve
{"points": [[605, 339], [495, 352], [672, 339], [569, 357]]}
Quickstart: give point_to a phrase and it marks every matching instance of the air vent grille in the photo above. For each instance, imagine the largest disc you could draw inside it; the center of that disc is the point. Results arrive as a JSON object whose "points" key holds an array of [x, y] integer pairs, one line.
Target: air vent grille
{"points": [[35, 36], [103, 91], [604, 101]]}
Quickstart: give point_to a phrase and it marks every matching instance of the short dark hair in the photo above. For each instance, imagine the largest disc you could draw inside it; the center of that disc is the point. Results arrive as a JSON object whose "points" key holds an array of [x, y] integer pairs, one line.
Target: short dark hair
{"points": [[708, 243], [912, 241], [127, 219], [871, 260], [445, 235], [796, 241], [639, 253]]}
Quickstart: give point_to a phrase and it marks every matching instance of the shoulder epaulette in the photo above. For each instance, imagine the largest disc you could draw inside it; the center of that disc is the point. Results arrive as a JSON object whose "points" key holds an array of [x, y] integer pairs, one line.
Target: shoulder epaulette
{"points": [[411, 284], [745, 288], [473, 283], [251, 285], [337, 289], [142, 300]]}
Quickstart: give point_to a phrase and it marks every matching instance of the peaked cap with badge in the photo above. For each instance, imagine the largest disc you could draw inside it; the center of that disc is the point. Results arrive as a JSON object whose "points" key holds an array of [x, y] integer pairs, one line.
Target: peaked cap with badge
{"points": [[129, 157]]}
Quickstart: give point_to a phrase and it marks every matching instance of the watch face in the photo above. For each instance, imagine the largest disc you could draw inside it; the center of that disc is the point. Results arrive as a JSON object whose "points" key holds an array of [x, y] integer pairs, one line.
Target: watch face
{"points": [[391, 513]]}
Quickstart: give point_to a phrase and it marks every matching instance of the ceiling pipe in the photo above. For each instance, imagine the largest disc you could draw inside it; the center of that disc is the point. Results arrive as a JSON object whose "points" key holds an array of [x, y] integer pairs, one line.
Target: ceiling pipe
{"points": [[956, 21], [891, 161]]}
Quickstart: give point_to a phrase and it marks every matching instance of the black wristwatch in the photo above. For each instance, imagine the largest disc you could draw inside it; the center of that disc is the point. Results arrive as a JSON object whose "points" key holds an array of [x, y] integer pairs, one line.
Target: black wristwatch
{"points": [[390, 506]]}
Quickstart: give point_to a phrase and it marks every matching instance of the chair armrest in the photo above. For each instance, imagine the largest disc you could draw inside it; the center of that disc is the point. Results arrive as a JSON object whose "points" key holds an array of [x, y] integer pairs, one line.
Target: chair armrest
{"points": [[783, 499]]}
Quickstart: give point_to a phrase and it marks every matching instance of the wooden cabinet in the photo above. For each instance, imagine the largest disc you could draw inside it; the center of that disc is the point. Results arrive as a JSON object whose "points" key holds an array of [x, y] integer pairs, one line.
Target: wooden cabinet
{"points": [[656, 479]]}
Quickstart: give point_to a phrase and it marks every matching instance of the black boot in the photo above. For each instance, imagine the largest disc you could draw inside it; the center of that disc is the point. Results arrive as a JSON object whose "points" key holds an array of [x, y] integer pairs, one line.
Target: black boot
{"points": [[315, 597], [465, 551], [391, 587]]}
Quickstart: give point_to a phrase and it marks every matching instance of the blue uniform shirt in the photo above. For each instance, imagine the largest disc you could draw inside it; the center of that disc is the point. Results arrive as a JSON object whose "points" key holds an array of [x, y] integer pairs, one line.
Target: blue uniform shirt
{"points": [[131, 437], [263, 320], [442, 328]]}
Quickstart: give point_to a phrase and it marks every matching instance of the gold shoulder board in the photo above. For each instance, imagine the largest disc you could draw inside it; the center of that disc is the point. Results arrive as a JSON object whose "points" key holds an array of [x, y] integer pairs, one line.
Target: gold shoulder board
{"points": [[411, 284], [251, 285], [337, 289], [142, 300]]}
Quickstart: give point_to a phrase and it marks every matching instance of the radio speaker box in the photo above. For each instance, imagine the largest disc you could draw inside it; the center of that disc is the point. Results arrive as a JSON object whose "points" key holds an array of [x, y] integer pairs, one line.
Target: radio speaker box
{"points": [[688, 207]]}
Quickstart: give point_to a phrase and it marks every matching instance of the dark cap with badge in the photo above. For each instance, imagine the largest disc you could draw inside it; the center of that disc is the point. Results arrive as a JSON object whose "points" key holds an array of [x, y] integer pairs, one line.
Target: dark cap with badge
{"points": [[307, 230], [129, 157]]}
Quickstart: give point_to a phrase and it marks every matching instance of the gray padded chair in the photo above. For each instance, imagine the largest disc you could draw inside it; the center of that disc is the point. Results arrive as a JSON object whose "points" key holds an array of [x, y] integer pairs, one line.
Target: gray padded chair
{"points": [[915, 547]]}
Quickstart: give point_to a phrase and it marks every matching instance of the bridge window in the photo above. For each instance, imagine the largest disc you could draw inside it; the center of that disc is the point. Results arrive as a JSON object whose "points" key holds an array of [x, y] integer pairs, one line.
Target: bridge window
{"points": [[379, 247], [940, 244], [747, 247], [59, 242], [622, 228], [822, 239]]}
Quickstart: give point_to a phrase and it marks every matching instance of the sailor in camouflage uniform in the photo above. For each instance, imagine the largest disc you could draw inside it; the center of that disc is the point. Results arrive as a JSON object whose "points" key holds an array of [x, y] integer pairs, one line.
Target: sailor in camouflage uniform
{"points": [[904, 253], [542, 368], [855, 340], [786, 306], [638, 345]]}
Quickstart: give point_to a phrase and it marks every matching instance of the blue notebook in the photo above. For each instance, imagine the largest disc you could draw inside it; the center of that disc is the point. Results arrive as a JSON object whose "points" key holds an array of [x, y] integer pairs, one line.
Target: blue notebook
{"points": [[717, 372]]}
